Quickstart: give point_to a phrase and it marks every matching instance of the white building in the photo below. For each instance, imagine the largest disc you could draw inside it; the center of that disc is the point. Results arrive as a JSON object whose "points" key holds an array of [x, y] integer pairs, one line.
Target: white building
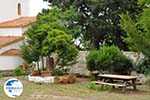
{"points": [[15, 17]]}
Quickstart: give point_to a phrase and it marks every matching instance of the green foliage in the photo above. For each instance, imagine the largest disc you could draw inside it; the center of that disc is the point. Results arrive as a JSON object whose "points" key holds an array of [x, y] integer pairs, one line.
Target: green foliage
{"points": [[143, 67], [138, 31], [147, 79], [19, 71], [90, 60], [109, 59], [71, 75], [53, 31], [60, 42], [93, 86], [99, 19], [1, 74], [57, 72]]}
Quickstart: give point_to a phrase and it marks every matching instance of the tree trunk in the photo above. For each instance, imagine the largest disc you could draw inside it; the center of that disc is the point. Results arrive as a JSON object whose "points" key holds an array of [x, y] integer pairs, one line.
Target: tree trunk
{"points": [[42, 63], [38, 67], [50, 63]]}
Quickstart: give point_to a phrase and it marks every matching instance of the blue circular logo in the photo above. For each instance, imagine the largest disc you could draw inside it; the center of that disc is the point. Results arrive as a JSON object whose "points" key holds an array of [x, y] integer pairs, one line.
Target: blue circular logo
{"points": [[13, 88]]}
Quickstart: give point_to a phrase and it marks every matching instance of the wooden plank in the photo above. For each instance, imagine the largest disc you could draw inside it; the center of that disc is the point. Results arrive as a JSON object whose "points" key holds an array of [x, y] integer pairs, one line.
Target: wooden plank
{"points": [[126, 77], [111, 84]]}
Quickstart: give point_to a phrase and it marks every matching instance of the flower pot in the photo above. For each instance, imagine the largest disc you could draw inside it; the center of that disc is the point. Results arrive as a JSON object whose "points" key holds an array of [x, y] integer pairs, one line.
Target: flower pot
{"points": [[72, 79], [45, 73], [34, 73], [65, 79], [56, 80]]}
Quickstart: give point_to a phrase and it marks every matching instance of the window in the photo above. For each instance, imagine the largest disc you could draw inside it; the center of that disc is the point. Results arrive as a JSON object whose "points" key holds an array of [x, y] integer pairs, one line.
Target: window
{"points": [[19, 9]]}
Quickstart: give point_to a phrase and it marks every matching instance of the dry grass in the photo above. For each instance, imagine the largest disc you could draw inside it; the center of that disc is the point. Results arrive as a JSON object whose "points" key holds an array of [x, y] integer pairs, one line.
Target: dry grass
{"points": [[77, 91]]}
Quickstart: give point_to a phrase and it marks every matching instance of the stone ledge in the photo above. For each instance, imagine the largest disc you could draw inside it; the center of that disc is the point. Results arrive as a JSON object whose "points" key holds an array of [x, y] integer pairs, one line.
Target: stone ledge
{"points": [[49, 79]]}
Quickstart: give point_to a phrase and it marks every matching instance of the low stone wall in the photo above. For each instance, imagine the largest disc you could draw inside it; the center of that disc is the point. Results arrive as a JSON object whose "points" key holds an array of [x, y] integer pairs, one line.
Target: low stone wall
{"points": [[40, 79], [80, 66]]}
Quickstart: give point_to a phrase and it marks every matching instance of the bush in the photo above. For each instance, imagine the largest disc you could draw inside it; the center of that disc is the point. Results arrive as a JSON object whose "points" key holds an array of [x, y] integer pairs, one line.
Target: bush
{"points": [[109, 59], [143, 67], [19, 71], [90, 60]]}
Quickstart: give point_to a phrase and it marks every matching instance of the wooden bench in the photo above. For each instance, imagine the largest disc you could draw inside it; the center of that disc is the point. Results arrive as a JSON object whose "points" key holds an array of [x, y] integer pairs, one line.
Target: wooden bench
{"points": [[111, 84]]}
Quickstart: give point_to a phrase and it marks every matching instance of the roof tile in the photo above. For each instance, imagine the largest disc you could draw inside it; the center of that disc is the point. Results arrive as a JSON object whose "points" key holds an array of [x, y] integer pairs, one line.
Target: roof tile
{"points": [[19, 22], [11, 52], [9, 39]]}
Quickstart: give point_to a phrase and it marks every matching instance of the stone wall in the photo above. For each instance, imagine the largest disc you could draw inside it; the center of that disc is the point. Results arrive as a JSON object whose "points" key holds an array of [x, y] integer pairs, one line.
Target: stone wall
{"points": [[80, 66]]}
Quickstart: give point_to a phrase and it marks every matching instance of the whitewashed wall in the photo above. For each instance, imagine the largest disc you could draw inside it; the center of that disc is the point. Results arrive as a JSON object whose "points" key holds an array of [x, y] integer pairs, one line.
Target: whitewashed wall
{"points": [[14, 45], [9, 8], [36, 6], [10, 62], [11, 31]]}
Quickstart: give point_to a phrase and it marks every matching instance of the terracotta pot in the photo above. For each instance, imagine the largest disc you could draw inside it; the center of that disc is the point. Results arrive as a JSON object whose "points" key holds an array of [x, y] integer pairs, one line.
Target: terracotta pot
{"points": [[65, 79], [45, 73], [56, 80], [34, 73], [72, 79]]}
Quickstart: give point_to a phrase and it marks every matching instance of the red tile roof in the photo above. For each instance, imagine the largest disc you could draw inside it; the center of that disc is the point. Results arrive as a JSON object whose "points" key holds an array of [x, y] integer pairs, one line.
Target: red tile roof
{"points": [[11, 52], [7, 40], [19, 22]]}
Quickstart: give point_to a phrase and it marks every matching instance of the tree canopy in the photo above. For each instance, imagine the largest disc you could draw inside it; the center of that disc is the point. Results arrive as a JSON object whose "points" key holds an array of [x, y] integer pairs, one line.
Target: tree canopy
{"points": [[138, 30], [51, 33], [99, 19]]}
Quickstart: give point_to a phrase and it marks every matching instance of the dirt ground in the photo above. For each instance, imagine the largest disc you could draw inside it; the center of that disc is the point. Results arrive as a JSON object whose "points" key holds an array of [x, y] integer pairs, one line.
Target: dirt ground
{"points": [[76, 91]]}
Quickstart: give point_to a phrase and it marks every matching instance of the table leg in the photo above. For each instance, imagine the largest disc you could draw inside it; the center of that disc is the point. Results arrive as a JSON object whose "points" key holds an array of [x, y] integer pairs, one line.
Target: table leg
{"points": [[123, 89], [134, 85]]}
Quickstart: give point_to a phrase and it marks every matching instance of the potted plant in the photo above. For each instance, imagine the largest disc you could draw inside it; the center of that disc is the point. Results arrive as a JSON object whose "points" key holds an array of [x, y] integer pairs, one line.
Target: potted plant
{"points": [[56, 79], [65, 79], [34, 72], [72, 78], [45, 73]]}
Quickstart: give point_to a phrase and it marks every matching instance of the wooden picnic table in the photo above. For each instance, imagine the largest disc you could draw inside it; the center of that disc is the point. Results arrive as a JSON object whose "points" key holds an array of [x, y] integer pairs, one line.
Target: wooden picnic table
{"points": [[117, 80]]}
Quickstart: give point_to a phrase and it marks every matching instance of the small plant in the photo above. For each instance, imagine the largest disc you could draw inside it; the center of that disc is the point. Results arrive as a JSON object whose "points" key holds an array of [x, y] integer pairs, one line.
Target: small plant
{"points": [[19, 71], [93, 86], [1, 74], [71, 75]]}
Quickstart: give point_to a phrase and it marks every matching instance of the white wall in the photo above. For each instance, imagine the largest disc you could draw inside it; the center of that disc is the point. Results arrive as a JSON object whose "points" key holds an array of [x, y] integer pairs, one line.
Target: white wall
{"points": [[36, 6], [10, 62], [9, 8], [12, 46], [11, 31]]}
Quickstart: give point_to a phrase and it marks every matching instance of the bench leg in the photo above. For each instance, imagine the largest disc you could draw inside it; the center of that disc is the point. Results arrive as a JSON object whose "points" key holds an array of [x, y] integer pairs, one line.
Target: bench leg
{"points": [[134, 85], [123, 89]]}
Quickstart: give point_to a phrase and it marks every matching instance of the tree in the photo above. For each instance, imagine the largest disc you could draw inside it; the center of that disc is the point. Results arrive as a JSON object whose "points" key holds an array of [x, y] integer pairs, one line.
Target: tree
{"points": [[99, 19], [138, 31], [51, 26]]}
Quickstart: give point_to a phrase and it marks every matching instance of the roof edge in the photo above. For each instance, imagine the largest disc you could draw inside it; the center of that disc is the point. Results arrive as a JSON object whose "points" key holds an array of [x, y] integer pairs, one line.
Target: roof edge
{"points": [[14, 41]]}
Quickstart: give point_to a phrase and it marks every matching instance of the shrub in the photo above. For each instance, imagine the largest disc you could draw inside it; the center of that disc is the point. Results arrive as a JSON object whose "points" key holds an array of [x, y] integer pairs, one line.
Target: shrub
{"points": [[90, 60], [143, 67], [19, 71], [109, 59]]}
